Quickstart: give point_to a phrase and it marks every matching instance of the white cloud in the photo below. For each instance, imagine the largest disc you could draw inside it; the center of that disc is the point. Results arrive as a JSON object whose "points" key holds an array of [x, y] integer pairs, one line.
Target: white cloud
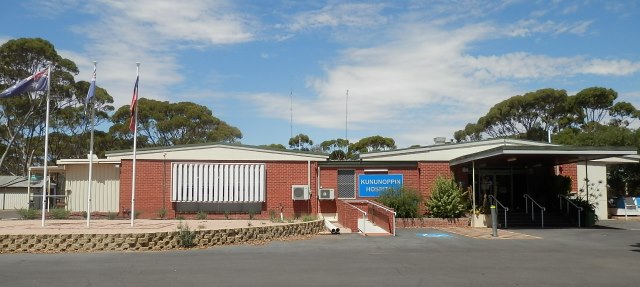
{"points": [[150, 32], [525, 28], [344, 14]]}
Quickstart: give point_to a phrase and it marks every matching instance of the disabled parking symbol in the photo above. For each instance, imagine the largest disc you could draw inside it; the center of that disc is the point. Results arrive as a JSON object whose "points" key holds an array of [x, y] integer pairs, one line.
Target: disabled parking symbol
{"points": [[434, 235]]}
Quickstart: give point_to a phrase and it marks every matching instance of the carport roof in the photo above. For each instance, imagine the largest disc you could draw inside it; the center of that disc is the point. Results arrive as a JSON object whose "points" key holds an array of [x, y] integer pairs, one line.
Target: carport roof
{"points": [[548, 155]]}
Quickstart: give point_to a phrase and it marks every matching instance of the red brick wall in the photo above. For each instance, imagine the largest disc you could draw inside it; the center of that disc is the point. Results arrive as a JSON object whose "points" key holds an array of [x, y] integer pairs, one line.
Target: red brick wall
{"points": [[280, 176], [570, 170]]}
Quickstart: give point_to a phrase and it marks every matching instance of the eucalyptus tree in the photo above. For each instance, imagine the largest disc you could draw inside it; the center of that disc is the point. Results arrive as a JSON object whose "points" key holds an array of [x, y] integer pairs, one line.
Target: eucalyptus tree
{"points": [[300, 142], [22, 117], [161, 123], [372, 143]]}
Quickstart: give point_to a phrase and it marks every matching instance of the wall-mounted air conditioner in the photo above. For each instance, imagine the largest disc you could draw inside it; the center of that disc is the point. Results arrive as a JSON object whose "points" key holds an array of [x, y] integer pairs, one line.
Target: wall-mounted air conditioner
{"points": [[326, 194], [300, 192]]}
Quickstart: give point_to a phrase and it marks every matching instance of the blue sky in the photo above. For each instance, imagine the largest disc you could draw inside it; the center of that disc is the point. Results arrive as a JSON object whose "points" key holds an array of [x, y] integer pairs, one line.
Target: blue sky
{"points": [[414, 70]]}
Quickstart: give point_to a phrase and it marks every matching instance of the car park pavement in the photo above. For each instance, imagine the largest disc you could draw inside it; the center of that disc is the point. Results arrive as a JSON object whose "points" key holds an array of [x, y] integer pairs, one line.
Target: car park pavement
{"points": [[604, 256]]}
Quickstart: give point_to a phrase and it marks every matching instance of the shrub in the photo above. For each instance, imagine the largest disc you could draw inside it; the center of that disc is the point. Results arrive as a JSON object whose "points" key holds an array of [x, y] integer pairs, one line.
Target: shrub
{"points": [[447, 199], [308, 218], [84, 214], [112, 215], [226, 215], [28, 213], [185, 235], [180, 217], [251, 215], [404, 201], [201, 215], [162, 213], [137, 214], [61, 213]]}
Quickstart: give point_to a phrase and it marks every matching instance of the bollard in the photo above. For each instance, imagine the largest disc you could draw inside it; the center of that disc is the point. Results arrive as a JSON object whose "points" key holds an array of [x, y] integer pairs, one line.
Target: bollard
{"points": [[494, 221]]}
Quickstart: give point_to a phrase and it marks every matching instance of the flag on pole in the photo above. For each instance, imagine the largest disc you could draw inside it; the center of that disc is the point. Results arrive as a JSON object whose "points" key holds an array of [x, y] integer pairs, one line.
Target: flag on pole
{"points": [[35, 82], [134, 106], [90, 94]]}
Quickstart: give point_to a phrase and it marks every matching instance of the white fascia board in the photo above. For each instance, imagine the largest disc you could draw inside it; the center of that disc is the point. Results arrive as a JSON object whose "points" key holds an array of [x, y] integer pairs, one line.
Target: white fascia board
{"points": [[410, 154], [86, 161], [219, 152]]}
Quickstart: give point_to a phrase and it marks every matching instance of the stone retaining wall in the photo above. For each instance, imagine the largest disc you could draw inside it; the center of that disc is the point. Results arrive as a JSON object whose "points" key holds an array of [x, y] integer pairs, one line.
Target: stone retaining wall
{"points": [[54, 243]]}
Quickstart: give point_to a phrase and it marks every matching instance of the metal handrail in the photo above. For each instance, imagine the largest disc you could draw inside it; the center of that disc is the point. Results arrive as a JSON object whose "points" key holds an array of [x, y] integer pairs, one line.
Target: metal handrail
{"points": [[380, 206], [364, 218], [526, 203], [569, 201], [503, 207]]}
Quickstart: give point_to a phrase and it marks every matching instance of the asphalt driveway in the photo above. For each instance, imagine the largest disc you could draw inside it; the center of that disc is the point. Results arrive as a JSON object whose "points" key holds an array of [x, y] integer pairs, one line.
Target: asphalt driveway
{"points": [[416, 257]]}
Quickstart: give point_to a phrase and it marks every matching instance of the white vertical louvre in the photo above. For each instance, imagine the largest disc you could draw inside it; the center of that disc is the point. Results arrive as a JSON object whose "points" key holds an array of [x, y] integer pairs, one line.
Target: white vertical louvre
{"points": [[207, 182]]}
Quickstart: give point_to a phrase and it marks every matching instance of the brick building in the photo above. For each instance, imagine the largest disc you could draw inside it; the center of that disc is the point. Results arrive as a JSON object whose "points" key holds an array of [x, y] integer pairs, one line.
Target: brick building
{"points": [[232, 181]]}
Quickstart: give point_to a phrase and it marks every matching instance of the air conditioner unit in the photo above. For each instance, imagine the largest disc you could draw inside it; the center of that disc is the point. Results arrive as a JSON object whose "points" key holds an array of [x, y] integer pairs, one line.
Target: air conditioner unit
{"points": [[326, 194], [300, 192]]}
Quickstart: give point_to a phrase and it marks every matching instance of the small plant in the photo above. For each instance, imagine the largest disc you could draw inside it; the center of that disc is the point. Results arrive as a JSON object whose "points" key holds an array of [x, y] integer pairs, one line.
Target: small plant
{"points": [[249, 224], [137, 214], [61, 213], [226, 214], [180, 217], [272, 215], [308, 218], [251, 215], [84, 214], [201, 215], [28, 213], [447, 199], [112, 215], [186, 236], [404, 201], [162, 213]]}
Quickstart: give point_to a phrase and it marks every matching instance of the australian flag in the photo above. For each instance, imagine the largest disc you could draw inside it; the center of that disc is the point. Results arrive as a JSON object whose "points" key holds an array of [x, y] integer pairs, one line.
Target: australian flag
{"points": [[35, 82]]}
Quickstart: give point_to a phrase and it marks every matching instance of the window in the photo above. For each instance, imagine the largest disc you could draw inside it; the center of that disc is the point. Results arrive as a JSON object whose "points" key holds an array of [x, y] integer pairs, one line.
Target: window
{"points": [[346, 184]]}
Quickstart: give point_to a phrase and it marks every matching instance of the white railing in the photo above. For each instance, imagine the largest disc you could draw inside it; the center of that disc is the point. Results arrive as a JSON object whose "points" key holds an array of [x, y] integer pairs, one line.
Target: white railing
{"points": [[542, 209], [569, 201], [364, 217], [393, 222], [491, 197]]}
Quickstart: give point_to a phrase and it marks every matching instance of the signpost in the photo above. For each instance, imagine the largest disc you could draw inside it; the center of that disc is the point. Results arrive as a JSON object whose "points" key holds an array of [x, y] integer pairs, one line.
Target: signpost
{"points": [[371, 185]]}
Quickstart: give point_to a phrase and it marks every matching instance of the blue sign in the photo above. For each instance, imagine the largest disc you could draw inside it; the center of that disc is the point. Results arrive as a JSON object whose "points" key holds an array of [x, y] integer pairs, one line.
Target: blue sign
{"points": [[371, 185]]}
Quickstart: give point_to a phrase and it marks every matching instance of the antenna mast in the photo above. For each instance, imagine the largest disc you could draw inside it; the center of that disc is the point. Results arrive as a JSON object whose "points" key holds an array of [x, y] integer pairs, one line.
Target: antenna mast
{"points": [[346, 117], [291, 112]]}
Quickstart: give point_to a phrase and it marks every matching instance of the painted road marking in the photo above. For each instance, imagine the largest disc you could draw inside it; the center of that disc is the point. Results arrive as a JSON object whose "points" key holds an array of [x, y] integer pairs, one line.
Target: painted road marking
{"points": [[433, 235]]}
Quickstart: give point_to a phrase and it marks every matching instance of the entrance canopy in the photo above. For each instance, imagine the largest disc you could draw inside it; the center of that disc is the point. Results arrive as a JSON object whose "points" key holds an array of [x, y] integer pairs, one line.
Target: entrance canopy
{"points": [[505, 156]]}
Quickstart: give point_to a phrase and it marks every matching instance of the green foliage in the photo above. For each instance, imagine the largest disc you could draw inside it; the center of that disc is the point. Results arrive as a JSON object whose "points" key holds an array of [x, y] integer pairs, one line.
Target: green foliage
{"points": [[137, 214], [180, 217], [60, 213], [186, 236], [308, 218], [300, 142], [275, 146], [201, 215], [28, 213], [84, 214], [373, 143], [162, 213], [405, 201], [447, 200], [251, 215], [167, 124], [226, 214], [561, 184], [112, 215]]}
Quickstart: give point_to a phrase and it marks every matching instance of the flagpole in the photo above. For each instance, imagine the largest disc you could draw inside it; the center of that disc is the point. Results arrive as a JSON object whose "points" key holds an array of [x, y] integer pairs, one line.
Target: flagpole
{"points": [[91, 146], [45, 178], [135, 140]]}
